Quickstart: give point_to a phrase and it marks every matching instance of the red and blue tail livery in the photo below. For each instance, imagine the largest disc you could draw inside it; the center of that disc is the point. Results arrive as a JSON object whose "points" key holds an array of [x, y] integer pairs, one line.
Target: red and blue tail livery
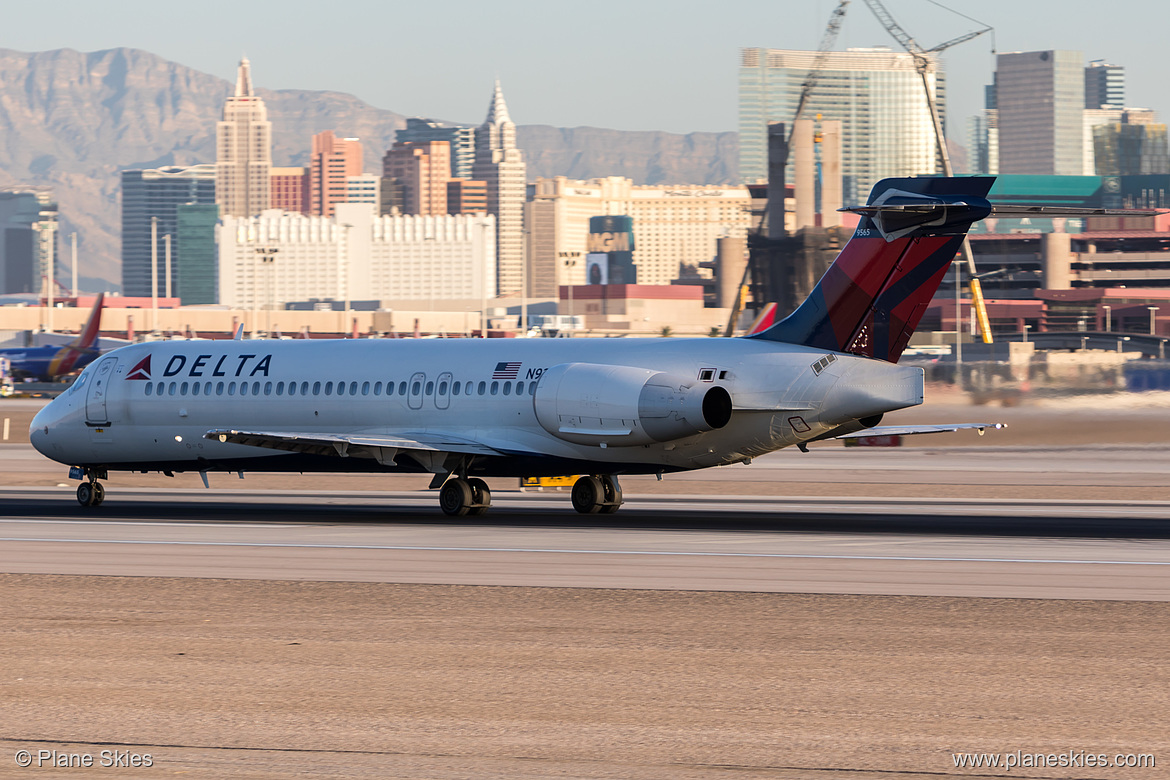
{"points": [[873, 296], [51, 362]]}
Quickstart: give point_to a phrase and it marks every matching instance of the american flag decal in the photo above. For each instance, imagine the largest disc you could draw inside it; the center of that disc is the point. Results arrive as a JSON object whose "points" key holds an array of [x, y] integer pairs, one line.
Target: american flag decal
{"points": [[506, 371]]}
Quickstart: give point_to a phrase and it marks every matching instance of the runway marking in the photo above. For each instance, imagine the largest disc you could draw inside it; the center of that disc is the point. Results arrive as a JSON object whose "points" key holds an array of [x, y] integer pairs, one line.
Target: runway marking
{"points": [[689, 553]]}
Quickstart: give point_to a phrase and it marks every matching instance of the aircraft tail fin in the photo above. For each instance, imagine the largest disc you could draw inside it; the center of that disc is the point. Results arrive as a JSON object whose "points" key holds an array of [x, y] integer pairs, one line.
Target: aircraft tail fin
{"points": [[87, 339], [874, 294]]}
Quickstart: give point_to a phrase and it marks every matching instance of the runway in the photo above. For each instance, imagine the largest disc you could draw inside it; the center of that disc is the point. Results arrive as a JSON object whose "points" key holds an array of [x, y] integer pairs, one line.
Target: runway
{"points": [[1009, 548]]}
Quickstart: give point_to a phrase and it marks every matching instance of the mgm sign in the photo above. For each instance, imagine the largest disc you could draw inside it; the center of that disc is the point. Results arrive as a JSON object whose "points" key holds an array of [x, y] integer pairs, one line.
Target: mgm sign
{"points": [[611, 251]]}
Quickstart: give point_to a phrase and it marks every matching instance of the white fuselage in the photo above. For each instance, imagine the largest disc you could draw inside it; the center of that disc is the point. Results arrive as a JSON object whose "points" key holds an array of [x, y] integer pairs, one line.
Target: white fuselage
{"points": [[148, 406]]}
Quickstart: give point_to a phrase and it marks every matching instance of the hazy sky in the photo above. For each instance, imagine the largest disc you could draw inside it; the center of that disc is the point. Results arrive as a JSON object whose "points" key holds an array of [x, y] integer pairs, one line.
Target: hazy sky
{"points": [[631, 65]]}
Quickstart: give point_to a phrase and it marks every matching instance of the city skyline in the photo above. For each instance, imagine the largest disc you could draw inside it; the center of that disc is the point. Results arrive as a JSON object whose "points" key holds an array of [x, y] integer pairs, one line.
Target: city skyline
{"points": [[617, 81]]}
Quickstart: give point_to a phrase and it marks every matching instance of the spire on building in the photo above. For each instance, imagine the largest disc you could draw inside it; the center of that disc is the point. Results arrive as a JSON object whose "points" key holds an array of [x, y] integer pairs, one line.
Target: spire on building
{"points": [[498, 111], [244, 79]]}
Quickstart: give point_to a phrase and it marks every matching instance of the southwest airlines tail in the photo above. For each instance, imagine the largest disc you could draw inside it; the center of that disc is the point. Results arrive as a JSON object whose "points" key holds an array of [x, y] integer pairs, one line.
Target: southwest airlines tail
{"points": [[82, 349], [874, 294]]}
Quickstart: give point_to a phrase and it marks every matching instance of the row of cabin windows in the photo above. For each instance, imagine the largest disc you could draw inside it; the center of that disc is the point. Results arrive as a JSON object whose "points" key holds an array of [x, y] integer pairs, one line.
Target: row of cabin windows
{"points": [[340, 388]]}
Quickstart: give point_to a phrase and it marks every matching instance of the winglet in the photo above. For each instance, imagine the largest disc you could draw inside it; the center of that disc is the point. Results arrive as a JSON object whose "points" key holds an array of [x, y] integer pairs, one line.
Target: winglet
{"points": [[239, 333]]}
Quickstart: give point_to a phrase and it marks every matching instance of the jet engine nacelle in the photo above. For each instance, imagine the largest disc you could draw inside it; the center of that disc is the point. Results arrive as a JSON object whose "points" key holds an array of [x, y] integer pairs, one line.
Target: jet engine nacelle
{"points": [[619, 406]]}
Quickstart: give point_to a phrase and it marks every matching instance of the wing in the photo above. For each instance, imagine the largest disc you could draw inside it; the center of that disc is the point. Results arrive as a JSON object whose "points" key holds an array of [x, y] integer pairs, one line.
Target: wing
{"points": [[912, 430], [432, 451]]}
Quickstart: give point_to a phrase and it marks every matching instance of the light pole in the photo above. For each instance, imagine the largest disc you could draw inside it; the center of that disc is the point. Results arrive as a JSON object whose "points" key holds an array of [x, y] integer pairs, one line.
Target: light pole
{"points": [[1108, 318], [167, 255], [570, 260], [267, 255], [1026, 329], [1152, 310], [344, 276], [153, 274]]}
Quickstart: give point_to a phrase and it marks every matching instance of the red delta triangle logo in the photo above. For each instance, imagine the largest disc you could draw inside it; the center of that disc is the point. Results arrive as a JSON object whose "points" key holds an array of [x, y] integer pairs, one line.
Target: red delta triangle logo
{"points": [[140, 371]]}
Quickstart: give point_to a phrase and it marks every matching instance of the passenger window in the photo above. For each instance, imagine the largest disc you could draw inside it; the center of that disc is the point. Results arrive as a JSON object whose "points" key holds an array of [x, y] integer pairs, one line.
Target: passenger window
{"points": [[532, 389], [402, 388], [340, 388], [442, 388], [495, 388], [172, 388], [328, 388], [207, 388], [455, 388], [316, 388], [243, 388], [414, 389], [377, 388], [195, 388], [183, 388], [365, 388], [231, 388], [160, 387], [219, 388], [280, 388], [149, 388], [482, 388], [353, 388], [255, 388], [305, 388], [507, 388], [470, 388], [430, 387], [519, 388], [268, 388]]}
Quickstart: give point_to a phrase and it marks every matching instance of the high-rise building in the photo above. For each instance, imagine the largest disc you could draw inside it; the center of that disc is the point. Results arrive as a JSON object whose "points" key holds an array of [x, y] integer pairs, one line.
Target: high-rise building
{"points": [[196, 277], [332, 162], [363, 188], [1040, 102], [461, 139], [356, 254], [677, 227], [877, 95], [421, 169], [501, 165], [466, 196], [28, 238], [1104, 85], [243, 143], [1133, 145], [290, 189], [158, 193]]}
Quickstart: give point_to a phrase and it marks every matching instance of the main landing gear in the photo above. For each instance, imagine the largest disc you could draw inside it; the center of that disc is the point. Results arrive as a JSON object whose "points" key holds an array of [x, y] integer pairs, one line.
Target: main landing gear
{"points": [[459, 497], [597, 495]]}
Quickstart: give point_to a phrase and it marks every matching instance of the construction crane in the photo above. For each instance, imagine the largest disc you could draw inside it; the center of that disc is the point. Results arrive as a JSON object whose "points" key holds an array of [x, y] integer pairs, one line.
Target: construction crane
{"points": [[806, 89], [922, 62]]}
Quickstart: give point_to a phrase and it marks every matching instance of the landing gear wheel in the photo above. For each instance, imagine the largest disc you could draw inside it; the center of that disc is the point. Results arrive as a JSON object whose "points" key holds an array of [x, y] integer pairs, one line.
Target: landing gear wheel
{"points": [[86, 493], [455, 497], [588, 495], [481, 496], [99, 494], [613, 495]]}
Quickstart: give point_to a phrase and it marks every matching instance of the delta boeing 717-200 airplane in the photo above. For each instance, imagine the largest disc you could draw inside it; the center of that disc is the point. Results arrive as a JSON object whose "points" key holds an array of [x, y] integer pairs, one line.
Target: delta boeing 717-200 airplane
{"points": [[465, 409]]}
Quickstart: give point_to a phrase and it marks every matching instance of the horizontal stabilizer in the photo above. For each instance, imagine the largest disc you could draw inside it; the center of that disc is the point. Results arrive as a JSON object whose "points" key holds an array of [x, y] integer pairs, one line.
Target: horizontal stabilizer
{"points": [[913, 430]]}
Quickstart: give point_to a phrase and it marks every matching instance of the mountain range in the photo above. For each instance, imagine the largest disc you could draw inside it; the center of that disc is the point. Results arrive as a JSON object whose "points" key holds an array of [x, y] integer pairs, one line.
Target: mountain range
{"points": [[72, 120]]}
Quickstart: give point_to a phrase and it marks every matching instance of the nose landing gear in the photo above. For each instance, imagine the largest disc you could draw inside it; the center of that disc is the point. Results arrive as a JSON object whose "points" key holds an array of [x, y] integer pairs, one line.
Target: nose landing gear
{"points": [[92, 492]]}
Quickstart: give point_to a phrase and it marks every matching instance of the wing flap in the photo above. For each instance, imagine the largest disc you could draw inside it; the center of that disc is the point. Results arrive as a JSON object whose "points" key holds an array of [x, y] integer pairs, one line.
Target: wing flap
{"points": [[914, 430], [343, 444]]}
